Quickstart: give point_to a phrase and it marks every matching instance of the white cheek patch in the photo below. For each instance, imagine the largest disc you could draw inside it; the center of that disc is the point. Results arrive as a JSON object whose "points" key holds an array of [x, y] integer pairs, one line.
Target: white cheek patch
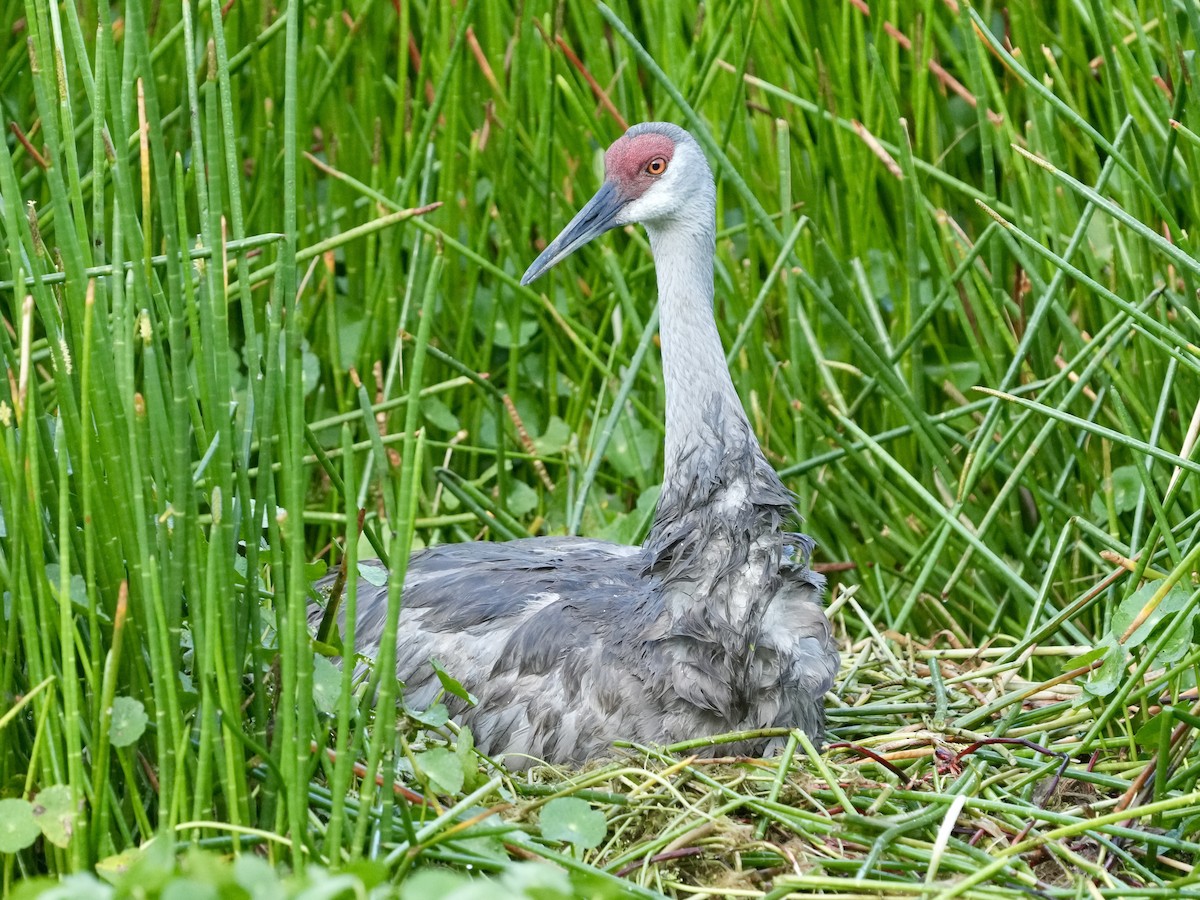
{"points": [[660, 200]]}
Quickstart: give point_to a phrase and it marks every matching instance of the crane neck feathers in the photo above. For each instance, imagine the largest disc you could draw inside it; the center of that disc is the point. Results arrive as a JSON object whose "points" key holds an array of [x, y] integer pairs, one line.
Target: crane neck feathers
{"points": [[708, 435], [721, 502]]}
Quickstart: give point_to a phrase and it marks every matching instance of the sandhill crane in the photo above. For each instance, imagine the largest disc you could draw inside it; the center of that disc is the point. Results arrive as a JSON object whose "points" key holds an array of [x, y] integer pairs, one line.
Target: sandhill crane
{"points": [[714, 624]]}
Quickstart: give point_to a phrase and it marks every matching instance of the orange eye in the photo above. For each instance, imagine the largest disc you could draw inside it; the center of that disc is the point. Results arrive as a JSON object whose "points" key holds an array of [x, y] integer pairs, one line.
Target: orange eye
{"points": [[656, 166]]}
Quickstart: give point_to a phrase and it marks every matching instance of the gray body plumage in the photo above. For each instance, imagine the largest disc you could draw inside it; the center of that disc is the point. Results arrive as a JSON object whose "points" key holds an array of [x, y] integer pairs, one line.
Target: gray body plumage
{"points": [[714, 624]]}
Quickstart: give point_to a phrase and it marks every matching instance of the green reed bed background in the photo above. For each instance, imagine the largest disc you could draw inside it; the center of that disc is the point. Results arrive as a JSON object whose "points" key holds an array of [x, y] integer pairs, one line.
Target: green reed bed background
{"points": [[259, 307]]}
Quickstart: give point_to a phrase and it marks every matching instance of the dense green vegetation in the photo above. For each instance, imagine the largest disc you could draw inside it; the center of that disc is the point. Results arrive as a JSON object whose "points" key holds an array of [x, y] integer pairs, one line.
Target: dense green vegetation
{"points": [[258, 283]]}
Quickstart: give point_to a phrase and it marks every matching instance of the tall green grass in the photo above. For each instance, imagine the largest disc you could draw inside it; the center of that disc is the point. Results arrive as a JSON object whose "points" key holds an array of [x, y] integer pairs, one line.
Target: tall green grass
{"points": [[259, 308]]}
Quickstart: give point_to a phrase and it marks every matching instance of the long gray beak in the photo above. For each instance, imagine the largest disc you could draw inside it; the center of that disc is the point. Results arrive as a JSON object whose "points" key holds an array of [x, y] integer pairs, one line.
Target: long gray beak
{"points": [[592, 221]]}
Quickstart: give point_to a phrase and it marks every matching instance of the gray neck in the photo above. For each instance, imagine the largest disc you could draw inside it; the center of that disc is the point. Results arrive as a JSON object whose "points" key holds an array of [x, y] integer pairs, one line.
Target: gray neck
{"points": [[721, 501], [702, 406]]}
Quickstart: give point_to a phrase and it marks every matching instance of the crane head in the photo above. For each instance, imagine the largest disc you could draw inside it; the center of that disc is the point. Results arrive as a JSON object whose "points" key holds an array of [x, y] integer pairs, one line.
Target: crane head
{"points": [[653, 173]]}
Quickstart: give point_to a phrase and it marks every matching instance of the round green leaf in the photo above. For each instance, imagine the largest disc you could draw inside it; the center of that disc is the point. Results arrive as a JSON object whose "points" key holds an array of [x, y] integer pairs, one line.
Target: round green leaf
{"points": [[434, 717], [554, 439], [55, 814], [111, 868], [633, 449], [463, 748], [443, 769], [432, 883], [1131, 607], [372, 574], [18, 828], [438, 414], [256, 876], [537, 879], [128, 721], [521, 499], [574, 821], [1105, 679], [504, 336], [1126, 485], [327, 684], [189, 888]]}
